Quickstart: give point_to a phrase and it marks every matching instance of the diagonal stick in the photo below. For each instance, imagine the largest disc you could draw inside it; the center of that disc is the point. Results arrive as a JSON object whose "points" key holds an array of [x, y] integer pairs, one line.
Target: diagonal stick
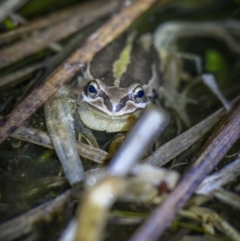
{"points": [[108, 32]]}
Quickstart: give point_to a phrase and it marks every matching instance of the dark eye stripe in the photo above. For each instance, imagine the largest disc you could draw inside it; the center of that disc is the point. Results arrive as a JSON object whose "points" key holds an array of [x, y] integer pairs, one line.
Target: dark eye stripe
{"points": [[106, 100], [122, 103]]}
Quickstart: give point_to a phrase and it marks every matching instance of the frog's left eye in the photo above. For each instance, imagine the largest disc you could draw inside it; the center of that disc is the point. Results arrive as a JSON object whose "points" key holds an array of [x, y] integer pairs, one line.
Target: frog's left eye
{"points": [[138, 94], [92, 89]]}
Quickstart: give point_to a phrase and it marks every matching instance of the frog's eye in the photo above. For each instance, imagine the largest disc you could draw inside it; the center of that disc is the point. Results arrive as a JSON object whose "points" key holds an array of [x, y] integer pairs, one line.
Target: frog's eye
{"points": [[92, 89], [138, 94]]}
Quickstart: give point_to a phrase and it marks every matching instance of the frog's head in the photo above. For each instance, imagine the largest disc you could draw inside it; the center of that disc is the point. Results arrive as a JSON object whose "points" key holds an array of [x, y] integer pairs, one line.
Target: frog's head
{"points": [[120, 80]]}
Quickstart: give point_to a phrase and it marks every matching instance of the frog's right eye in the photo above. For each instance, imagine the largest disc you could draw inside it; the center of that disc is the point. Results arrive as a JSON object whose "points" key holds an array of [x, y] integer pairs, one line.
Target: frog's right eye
{"points": [[93, 89], [138, 94]]}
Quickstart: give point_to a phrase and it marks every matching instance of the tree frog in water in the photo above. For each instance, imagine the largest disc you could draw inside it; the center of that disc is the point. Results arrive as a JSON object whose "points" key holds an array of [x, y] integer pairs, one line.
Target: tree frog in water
{"points": [[116, 86], [121, 80]]}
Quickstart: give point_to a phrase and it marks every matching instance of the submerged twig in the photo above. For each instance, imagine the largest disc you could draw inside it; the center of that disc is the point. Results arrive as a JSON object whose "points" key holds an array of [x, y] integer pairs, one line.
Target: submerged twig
{"points": [[217, 147], [25, 223], [109, 31], [41, 138]]}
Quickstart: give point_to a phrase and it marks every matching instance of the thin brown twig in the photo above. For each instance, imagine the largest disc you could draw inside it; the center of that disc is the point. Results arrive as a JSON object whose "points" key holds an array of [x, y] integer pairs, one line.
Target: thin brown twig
{"points": [[41, 138], [54, 33], [109, 31], [218, 145]]}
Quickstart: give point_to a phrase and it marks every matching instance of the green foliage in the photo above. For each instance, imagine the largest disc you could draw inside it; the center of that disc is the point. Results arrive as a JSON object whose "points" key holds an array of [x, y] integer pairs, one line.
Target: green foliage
{"points": [[216, 64]]}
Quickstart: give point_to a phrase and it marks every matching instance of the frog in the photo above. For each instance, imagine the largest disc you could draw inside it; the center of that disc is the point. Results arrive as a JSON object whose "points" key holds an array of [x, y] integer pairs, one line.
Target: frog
{"points": [[121, 81], [115, 87], [111, 93]]}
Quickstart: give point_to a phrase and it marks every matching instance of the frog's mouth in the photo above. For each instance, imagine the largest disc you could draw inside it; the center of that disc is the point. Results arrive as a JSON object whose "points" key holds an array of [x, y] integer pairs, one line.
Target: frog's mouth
{"points": [[100, 121]]}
